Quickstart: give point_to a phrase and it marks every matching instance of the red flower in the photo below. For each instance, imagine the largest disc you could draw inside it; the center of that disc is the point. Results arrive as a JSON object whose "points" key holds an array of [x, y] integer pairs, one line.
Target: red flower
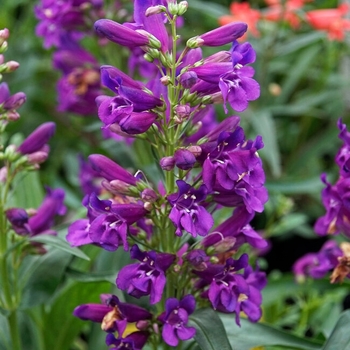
{"points": [[242, 12], [331, 20], [278, 11]]}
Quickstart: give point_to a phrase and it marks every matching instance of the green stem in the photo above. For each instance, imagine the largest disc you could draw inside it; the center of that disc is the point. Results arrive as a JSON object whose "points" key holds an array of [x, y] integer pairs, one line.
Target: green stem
{"points": [[15, 338]]}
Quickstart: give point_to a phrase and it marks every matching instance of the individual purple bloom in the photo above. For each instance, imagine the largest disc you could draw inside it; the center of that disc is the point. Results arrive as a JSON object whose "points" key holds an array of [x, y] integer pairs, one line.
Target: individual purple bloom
{"points": [[18, 218], [133, 341], [120, 34], [336, 201], [186, 213], [234, 232], [110, 170], [37, 139], [78, 233], [219, 36], [112, 313], [153, 24], [234, 171], [110, 228], [230, 291], [10, 103], [184, 159], [237, 86], [343, 156], [43, 220], [317, 265], [129, 91], [175, 320], [147, 277]]}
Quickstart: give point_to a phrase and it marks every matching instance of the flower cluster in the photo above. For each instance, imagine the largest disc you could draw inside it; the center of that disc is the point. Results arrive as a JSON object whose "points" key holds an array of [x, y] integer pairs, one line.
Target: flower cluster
{"points": [[182, 255], [64, 24], [333, 21], [20, 224], [335, 221]]}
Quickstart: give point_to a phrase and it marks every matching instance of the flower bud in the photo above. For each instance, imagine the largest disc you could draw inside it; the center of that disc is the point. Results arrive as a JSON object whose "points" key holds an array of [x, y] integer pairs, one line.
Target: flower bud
{"points": [[10, 66], [153, 10], [195, 150], [165, 80], [37, 157], [182, 111], [182, 8], [184, 159], [188, 79], [149, 195], [15, 101], [167, 163]]}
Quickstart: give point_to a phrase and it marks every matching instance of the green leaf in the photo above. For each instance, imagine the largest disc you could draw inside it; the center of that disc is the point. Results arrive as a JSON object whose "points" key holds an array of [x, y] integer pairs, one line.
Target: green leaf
{"points": [[27, 191], [264, 125], [63, 326], [251, 335], [340, 337], [92, 276], [210, 334], [4, 333], [40, 276], [312, 185], [59, 243]]}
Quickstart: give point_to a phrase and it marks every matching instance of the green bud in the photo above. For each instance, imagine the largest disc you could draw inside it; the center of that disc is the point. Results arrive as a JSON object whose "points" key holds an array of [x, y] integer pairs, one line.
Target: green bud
{"points": [[148, 57], [194, 43], [183, 6], [173, 8], [153, 53]]}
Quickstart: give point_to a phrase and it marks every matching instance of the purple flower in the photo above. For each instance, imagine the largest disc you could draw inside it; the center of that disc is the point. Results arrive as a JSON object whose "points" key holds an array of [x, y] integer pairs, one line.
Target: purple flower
{"points": [[121, 34], [219, 36], [336, 201], [38, 139], [175, 319], [133, 341], [42, 221], [317, 265], [112, 314], [343, 156], [110, 170], [8, 103], [186, 213], [147, 277], [234, 232], [108, 226], [153, 24], [230, 291], [234, 171]]}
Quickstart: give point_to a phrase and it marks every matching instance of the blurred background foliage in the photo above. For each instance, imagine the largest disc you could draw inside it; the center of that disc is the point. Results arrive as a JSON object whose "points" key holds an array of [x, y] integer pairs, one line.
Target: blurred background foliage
{"points": [[305, 87]]}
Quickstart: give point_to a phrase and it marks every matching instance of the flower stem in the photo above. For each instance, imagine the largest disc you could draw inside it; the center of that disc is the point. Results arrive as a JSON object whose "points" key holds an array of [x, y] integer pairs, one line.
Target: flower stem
{"points": [[15, 338]]}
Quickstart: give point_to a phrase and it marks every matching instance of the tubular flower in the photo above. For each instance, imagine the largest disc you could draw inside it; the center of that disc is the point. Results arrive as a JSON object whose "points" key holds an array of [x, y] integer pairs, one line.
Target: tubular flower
{"points": [[133, 341], [147, 277], [121, 34], [219, 36], [317, 265], [175, 319], [333, 21], [186, 213], [43, 219], [112, 314]]}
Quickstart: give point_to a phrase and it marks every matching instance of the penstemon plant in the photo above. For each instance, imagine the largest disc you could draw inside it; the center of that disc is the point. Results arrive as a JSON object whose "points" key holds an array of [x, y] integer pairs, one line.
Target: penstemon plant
{"points": [[189, 254], [20, 227]]}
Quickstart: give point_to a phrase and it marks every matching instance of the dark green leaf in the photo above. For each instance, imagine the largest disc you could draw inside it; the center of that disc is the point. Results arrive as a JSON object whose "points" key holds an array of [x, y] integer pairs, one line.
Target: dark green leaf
{"points": [[340, 337], [64, 327], [91, 276], [40, 276], [59, 243], [4, 333], [210, 334], [251, 335]]}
